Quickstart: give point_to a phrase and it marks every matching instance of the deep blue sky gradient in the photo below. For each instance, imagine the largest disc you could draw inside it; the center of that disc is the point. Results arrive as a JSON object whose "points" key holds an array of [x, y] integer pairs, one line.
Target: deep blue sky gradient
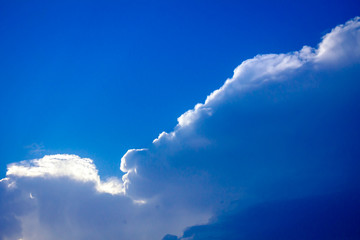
{"points": [[95, 79]]}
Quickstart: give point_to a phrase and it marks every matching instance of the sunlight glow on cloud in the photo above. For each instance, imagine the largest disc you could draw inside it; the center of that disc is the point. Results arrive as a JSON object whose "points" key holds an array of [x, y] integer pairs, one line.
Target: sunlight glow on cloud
{"points": [[65, 165]]}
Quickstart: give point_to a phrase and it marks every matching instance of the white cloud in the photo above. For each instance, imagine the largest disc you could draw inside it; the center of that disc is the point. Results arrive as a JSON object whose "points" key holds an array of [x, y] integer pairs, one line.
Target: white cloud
{"points": [[342, 45], [256, 138], [65, 198], [65, 165]]}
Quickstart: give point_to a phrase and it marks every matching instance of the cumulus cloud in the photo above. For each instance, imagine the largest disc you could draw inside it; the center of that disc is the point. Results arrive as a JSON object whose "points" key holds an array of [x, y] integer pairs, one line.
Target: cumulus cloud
{"points": [[283, 128], [271, 132], [62, 196]]}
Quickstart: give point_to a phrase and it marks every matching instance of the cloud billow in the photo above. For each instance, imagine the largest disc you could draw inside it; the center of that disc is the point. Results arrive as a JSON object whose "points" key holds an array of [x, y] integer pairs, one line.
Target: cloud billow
{"points": [[281, 136]]}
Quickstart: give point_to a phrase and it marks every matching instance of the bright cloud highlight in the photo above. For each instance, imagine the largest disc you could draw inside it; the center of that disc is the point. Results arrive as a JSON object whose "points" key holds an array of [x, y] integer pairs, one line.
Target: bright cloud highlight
{"points": [[68, 166]]}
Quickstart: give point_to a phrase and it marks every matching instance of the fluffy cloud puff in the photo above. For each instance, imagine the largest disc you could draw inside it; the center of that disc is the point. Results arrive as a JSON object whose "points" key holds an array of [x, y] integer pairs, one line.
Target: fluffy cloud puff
{"points": [[62, 196], [283, 128], [64, 165]]}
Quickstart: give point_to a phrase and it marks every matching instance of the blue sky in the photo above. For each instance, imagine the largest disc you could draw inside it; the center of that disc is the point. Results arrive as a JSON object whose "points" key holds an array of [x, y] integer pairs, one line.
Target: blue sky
{"points": [[96, 79], [150, 87]]}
